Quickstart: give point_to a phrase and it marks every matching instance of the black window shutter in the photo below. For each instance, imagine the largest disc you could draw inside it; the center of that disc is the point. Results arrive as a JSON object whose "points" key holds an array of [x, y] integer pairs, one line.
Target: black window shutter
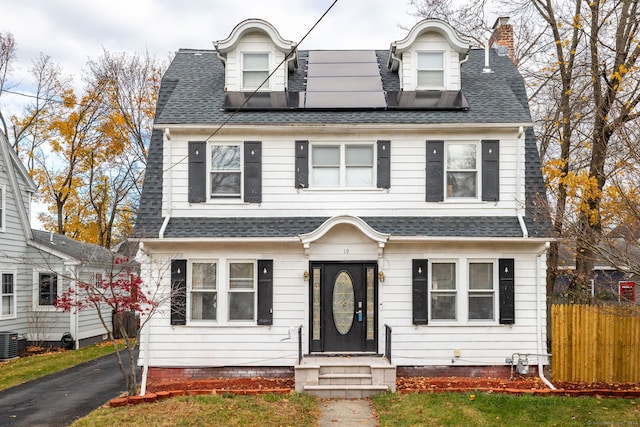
{"points": [[302, 164], [507, 290], [178, 292], [384, 164], [435, 171], [265, 292], [420, 292], [490, 170], [197, 171], [253, 171]]}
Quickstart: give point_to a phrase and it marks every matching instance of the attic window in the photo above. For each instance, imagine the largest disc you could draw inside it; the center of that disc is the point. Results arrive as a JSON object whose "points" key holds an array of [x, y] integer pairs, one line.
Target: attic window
{"points": [[430, 70], [255, 70]]}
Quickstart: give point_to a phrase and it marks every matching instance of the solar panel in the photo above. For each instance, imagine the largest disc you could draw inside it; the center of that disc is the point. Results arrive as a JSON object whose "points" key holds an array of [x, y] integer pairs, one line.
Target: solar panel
{"points": [[343, 79], [346, 79], [344, 84], [427, 100], [262, 100], [332, 100], [343, 69], [341, 56]]}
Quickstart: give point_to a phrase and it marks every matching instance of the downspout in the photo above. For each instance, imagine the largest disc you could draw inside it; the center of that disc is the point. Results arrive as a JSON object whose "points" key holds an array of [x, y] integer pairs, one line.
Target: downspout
{"points": [[539, 318], [519, 186], [145, 361], [146, 332], [167, 138]]}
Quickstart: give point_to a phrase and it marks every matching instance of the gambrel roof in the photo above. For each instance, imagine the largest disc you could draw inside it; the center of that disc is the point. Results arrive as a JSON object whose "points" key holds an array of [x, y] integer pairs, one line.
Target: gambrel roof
{"points": [[192, 93]]}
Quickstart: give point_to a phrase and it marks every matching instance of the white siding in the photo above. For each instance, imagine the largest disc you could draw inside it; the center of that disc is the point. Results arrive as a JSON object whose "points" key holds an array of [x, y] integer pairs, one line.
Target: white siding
{"points": [[13, 252], [260, 43], [406, 195], [430, 42], [223, 344]]}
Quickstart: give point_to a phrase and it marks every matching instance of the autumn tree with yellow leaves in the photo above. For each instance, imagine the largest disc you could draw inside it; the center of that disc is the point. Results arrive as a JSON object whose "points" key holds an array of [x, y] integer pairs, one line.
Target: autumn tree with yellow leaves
{"points": [[86, 149]]}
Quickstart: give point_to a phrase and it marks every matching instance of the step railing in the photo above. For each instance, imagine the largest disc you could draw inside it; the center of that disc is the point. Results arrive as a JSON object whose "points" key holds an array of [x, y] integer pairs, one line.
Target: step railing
{"points": [[387, 342]]}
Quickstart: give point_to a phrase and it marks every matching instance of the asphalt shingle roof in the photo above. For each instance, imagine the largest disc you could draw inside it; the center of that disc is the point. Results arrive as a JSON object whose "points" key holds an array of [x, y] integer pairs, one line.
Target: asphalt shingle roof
{"points": [[192, 92], [84, 252]]}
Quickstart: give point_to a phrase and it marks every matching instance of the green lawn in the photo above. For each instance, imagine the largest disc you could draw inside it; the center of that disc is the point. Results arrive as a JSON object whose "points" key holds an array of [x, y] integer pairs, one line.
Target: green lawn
{"points": [[29, 368], [437, 409], [457, 409], [218, 410]]}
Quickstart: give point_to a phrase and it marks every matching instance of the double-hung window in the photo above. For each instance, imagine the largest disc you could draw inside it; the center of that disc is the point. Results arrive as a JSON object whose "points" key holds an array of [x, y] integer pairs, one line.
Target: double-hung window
{"points": [[222, 291], [462, 170], [226, 171], [47, 289], [347, 165], [242, 291], [255, 70], [444, 291], [430, 70], [481, 291], [204, 292], [8, 296]]}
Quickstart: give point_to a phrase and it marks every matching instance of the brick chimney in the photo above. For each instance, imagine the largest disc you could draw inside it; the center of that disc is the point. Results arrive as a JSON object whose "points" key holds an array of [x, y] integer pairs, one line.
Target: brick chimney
{"points": [[502, 38]]}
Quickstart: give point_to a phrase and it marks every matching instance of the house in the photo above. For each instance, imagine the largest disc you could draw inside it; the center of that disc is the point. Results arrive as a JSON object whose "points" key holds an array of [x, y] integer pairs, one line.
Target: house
{"points": [[615, 267], [37, 266], [343, 202]]}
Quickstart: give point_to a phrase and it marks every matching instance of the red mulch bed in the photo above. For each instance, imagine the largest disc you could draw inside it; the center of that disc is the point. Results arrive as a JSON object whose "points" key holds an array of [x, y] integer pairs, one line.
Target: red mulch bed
{"points": [[403, 384], [224, 384]]}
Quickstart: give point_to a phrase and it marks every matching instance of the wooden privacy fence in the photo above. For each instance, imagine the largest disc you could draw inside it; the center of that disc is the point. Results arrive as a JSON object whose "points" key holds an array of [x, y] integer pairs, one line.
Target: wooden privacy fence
{"points": [[595, 343]]}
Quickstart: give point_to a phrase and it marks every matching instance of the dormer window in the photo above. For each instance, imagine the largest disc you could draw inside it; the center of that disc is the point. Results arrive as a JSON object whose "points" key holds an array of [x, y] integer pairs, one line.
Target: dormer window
{"points": [[430, 70], [255, 70], [429, 58]]}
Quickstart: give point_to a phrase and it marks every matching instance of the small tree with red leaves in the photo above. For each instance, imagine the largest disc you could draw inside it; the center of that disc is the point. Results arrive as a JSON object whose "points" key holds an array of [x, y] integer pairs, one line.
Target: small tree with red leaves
{"points": [[118, 293]]}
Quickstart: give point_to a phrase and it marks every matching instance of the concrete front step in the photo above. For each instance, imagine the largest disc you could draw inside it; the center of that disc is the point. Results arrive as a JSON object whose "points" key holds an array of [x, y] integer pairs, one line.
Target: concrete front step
{"points": [[348, 391], [345, 377]]}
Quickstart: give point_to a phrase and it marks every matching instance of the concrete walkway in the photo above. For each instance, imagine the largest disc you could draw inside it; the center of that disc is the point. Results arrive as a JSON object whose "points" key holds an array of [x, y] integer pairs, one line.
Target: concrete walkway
{"points": [[61, 398], [346, 413]]}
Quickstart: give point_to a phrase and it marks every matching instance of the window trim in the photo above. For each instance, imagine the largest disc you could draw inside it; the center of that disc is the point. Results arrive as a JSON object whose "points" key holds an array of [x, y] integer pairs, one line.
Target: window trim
{"points": [[477, 171], [234, 198], [342, 173], [266, 85], [37, 276], [223, 290], [190, 290], [463, 292], [443, 70], [493, 291], [456, 290], [254, 290], [14, 304]]}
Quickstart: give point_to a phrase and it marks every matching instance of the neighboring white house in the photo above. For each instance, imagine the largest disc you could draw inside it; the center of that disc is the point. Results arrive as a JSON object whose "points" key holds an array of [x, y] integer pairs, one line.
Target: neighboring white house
{"points": [[37, 266], [378, 201]]}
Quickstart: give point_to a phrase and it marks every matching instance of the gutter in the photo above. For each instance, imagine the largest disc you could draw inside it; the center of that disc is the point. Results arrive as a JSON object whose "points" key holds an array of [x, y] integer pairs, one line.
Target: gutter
{"points": [[523, 226], [167, 139], [539, 318]]}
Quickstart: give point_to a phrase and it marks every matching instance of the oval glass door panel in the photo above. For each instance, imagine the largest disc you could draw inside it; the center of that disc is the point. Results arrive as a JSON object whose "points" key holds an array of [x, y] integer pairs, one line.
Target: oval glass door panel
{"points": [[343, 302]]}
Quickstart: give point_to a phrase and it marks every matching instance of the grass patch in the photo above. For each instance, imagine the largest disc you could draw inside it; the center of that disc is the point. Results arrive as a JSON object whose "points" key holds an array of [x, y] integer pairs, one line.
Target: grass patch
{"points": [[456, 409], [219, 410], [18, 371]]}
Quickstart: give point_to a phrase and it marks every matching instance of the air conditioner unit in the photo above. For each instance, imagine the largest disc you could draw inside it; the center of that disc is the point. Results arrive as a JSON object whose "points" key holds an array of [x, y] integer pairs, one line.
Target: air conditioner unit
{"points": [[8, 345]]}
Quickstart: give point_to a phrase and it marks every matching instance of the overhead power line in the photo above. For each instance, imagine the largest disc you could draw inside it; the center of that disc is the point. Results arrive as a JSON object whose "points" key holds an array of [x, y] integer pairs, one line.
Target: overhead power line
{"points": [[248, 98]]}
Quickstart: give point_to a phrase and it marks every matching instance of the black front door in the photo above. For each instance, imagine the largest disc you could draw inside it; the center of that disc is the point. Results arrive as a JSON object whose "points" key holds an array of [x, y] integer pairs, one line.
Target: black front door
{"points": [[343, 317]]}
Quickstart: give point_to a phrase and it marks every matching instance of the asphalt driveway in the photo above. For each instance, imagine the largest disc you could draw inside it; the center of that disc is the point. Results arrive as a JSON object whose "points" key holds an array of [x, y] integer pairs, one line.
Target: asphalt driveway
{"points": [[61, 398]]}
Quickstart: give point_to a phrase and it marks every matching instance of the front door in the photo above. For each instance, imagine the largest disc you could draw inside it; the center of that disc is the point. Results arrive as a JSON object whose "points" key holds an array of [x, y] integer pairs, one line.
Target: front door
{"points": [[343, 307]]}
